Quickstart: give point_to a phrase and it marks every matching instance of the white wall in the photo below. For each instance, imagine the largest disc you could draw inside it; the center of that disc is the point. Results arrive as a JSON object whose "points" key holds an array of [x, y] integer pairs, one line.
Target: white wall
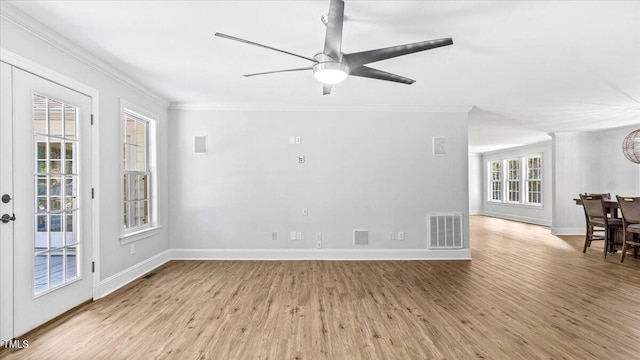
{"points": [[363, 170], [589, 162], [528, 213], [618, 175], [20, 35], [475, 184]]}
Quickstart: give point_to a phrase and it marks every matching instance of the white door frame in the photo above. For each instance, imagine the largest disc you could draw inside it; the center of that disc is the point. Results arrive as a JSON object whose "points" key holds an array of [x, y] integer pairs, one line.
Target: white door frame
{"points": [[63, 80], [6, 183]]}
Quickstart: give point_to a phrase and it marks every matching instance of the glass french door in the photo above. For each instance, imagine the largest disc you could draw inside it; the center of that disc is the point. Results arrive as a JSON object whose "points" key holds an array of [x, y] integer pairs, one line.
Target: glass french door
{"points": [[51, 161]]}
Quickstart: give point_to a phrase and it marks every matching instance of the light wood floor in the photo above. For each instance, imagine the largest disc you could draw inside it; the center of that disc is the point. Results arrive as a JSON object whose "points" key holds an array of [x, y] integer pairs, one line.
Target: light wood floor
{"points": [[525, 295]]}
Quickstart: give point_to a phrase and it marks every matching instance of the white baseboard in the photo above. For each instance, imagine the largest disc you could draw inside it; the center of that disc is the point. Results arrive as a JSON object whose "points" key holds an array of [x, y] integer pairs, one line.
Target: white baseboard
{"points": [[116, 281], [476, 212], [525, 219], [568, 231], [320, 254]]}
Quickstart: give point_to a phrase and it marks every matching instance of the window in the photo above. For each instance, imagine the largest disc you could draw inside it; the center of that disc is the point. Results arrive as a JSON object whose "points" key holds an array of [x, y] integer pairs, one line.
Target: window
{"points": [[513, 180], [534, 180], [495, 190], [516, 181], [137, 171]]}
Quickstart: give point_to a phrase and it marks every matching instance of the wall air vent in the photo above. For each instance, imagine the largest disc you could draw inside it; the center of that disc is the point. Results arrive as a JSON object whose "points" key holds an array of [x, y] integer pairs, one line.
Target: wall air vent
{"points": [[445, 231], [360, 237]]}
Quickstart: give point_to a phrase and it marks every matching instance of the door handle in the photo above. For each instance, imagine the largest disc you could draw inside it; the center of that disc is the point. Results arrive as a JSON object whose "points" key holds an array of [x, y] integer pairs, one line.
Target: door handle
{"points": [[6, 198], [6, 218]]}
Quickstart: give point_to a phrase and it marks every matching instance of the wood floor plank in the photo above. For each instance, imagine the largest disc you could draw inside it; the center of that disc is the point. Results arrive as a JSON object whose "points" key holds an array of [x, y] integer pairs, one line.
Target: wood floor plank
{"points": [[525, 295]]}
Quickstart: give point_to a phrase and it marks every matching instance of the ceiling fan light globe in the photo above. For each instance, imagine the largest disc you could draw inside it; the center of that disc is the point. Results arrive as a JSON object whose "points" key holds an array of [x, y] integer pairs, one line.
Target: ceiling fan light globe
{"points": [[330, 76]]}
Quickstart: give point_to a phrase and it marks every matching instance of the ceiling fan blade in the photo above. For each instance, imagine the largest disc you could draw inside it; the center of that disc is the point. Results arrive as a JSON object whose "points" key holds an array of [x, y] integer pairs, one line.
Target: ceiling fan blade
{"points": [[262, 46], [278, 71], [326, 89], [364, 71], [333, 38], [365, 57]]}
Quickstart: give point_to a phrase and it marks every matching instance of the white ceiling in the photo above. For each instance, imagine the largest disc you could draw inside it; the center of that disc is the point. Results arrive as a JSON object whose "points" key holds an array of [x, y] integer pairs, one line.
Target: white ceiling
{"points": [[528, 68]]}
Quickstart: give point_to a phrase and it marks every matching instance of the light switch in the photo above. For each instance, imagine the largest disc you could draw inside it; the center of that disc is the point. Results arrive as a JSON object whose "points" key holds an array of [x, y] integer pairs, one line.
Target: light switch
{"points": [[298, 140], [292, 140], [392, 236], [400, 235], [305, 211], [292, 235], [298, 235]]}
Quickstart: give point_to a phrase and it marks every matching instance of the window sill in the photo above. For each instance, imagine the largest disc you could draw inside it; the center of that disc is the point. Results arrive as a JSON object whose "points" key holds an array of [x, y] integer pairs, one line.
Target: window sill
{"points": [[140, 235]]}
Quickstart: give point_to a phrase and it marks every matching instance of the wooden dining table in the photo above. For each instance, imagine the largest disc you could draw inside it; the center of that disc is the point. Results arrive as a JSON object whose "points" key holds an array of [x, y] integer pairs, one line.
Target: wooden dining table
{"points": [[611, 205]]}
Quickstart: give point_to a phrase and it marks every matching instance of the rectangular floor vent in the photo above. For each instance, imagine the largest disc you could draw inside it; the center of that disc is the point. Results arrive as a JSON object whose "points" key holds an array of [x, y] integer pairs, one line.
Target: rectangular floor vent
{"points": [[360, 237], [445, 231]]}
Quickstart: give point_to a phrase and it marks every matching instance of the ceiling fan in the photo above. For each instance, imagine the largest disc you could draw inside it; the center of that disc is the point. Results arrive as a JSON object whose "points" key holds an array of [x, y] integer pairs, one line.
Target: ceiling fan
{"points": [[331, 66]]}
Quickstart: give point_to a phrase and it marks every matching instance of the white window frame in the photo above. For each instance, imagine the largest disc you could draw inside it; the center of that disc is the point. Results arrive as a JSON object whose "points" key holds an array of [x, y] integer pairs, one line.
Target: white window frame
{"points": [[515, 180], [499, 181], [152, 227], [528, 180], [522, 181]]}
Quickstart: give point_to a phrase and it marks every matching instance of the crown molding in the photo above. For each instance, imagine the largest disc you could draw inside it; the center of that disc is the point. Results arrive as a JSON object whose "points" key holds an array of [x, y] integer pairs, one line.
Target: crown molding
{"points": [[11, 14], [242, 107]]}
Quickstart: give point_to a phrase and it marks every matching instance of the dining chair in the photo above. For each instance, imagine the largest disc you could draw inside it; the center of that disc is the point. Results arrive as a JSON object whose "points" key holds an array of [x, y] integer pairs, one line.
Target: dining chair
{"points": [[606, 196], [630, 209], [596, 217]]}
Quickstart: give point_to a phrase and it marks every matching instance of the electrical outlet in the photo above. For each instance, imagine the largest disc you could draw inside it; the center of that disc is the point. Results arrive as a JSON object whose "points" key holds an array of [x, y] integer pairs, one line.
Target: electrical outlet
{"points": [[298, 235], [292, 235], [132, 249], [301, 159], [305, 211], [319, 244], [392, 236], [274, 235], [400, 235]]}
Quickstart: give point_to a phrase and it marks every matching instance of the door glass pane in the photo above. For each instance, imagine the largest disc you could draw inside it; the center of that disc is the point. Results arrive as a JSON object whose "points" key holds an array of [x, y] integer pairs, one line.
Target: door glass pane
{"points": [[41, 154], [42, 233], [56, 267], [41, 264], [72, 263], [39, 114], [69, 159], [55, 117], [56, 207], [55, 231], [70, 113], [71, 235], [69, 193]]}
